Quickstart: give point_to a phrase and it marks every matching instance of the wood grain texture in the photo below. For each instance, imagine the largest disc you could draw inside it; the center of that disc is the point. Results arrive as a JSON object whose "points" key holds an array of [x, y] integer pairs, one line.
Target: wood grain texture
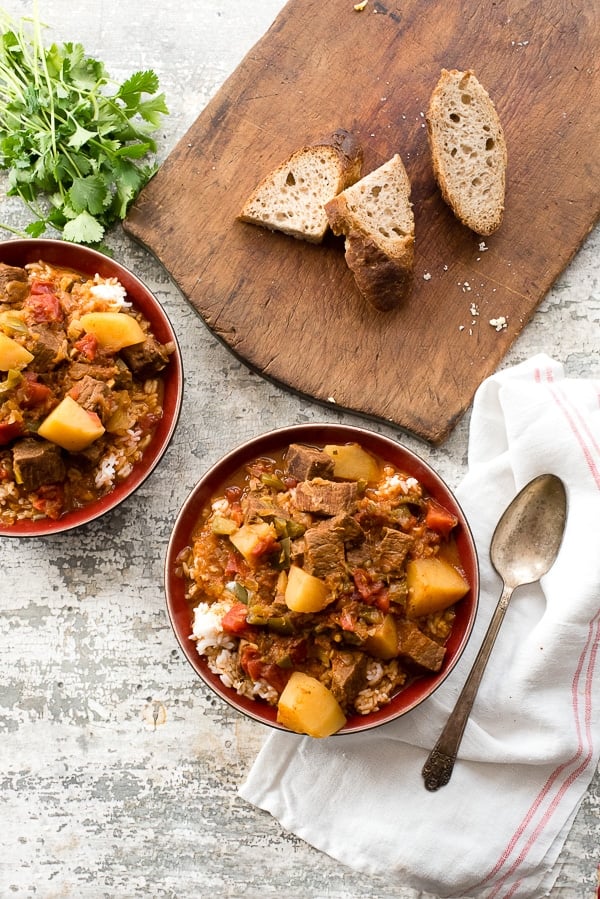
{"points": [[290, 310]]}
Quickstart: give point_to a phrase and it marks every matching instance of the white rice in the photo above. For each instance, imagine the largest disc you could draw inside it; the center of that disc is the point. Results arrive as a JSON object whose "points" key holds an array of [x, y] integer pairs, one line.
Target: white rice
{"points": [[207, 629], [220, 652], [109, 290], [395, 485], [106, 471]]}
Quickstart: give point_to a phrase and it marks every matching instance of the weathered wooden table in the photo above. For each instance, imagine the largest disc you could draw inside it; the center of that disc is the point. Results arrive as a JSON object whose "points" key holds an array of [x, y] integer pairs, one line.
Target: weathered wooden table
{"points": [[118, 771]]}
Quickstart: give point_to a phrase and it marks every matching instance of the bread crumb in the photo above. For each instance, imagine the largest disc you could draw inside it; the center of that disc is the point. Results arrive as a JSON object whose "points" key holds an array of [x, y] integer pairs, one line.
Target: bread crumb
{"points": [[427, 276], [474, 309], [360, 6], [482, 247], [499, 323], [331, 399]]}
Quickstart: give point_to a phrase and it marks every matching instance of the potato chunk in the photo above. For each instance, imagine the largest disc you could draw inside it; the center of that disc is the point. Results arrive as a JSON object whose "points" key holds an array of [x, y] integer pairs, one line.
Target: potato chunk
{"points": [[71, 426], [433, 585], [306, 706], [12, 354], [251, 538], [113, 330], [305, 592], [352, 462], [382, 642]]}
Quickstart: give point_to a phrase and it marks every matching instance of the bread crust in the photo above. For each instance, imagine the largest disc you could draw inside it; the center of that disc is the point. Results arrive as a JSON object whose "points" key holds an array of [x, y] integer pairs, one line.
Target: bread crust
{"points": [[468, 150], [383, 269], [278, 203]]}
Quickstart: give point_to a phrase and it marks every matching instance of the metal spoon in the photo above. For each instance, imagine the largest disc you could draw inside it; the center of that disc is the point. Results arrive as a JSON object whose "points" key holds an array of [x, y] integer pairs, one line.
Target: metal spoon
{"points": [[524, 546]]}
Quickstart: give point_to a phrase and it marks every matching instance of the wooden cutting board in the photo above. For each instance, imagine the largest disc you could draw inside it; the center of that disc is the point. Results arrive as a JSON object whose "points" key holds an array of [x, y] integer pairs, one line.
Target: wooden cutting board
{"points": [[291, 310]]}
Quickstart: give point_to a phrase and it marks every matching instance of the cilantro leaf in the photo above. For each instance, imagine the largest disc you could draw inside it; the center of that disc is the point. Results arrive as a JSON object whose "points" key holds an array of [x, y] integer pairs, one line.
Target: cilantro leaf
{"points": [[151, 110], [90, 193], [80, 137], [70, 142], [36, 229], [84, 228], [136, 84]]}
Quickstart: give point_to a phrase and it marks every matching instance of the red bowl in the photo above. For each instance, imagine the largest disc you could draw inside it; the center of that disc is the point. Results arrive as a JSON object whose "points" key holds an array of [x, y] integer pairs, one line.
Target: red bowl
{"points": [[181, 615], [90, 262]]}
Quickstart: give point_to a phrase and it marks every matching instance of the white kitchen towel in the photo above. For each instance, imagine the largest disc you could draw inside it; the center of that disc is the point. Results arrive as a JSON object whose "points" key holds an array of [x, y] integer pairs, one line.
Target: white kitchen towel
{"points": [[532, 742]]}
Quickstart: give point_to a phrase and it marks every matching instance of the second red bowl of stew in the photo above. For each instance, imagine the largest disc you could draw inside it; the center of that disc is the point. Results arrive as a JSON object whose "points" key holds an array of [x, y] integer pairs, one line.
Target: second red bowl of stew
{"points": [[91, 384], [322, 579]]}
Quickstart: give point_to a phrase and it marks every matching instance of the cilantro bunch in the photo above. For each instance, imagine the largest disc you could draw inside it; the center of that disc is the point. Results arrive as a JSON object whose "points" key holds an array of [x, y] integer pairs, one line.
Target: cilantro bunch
{"points": [[76, 144]]}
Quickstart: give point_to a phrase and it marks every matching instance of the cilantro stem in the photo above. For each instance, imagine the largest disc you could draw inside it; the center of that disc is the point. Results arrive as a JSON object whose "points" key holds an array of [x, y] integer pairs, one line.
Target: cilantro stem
{"points": [[12, 230]]}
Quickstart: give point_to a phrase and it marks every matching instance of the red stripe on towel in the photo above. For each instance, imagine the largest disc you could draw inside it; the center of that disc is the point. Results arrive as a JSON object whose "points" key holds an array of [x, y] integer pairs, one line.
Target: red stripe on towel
{"points": [[591, 642]]}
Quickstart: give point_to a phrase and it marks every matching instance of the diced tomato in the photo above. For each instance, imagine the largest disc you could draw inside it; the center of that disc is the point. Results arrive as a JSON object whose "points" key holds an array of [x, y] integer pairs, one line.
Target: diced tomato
{"points": [[253, 667], [439, 519], [87, 346], [381, 599], [148, 422], [32, 393], [43, 304], [290, 482], [275, 676], [236, 514], [265, 546], [234, 621], [365, 585], [256, 668], [10, 430], [41, 287], [235, 565], [374, 593], [248, 656], [50, 499], [361, 581], [347, 620], [233, 494]]}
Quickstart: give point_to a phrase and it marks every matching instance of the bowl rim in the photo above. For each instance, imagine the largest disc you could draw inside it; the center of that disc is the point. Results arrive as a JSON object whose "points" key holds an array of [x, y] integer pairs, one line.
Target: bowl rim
{"points": [[33, 249], [311, 433]]}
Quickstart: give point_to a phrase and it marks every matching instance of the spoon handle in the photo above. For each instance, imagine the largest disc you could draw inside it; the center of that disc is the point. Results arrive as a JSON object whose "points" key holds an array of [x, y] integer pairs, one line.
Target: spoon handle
{"points": [[438, 768]]}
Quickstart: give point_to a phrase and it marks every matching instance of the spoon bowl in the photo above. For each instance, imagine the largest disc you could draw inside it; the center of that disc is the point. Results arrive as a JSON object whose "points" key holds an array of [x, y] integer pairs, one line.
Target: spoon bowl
{"points": [[528, 536], [524, 547]]}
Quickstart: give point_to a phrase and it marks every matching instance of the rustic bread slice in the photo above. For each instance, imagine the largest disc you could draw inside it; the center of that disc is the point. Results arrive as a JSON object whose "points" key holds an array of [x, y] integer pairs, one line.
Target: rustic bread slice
{"points": [[292, 197], [375, 216], [468, 150]]}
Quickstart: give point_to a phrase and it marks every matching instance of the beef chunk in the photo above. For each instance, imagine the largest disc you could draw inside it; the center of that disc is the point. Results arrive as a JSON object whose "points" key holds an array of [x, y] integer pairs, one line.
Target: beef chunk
{"points": [[305, 462], [323, 552], [325, 497], [101, 371], [347, 675], [324, 545], [359, 556], [38, 462], [392, 551], [257, 507], [49, 348], [417, 649], [94, 395], [14, 285], [146, 359]]}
